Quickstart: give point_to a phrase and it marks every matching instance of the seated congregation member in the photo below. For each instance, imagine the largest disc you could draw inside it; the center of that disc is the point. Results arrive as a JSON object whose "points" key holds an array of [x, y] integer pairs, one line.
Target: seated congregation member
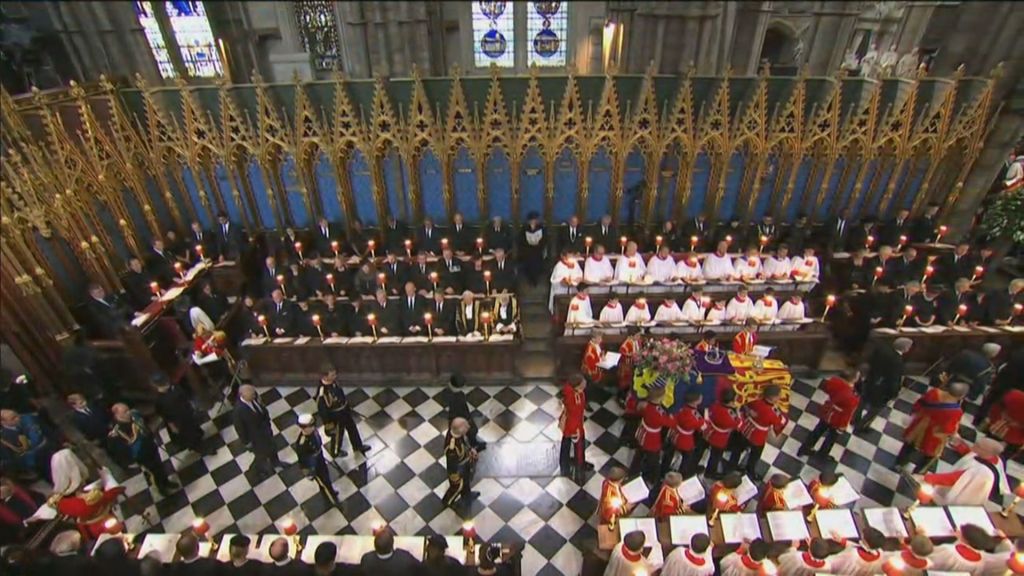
{"points": [[598, 267], [272, 276], [505, 314], [571, 236], [912, 267], [395, 233], [17, 504], [334, 317], [751, 559], [732, 233], [749, 267], [895, 230], [859, 273], [326, 237], [282, 315], [532, 244], [693, 308], [313, 275], [467, 316], [437, 563], [442, 315], [295, 287], [419, 273], [957, 264], [740, 307], [718, 265], [662, 267], [639, 312], [695, 560], [612, 312], [668, 312], [630, 268], [106, 313], [688, 269], [476, 279], [862, 558], [239, 563], [628, 559], [806, 268], [394, 271], [766, 230], [411, 311], [958, 306], [287, 245], [460, 236], [498, 235], [580, 310], [998, 305], [137, 282], [793, 310], [604, 232], [451, 275], [925, 226], [665, 235], [778, 266], [503, 272], [766, 309], [160, 262], [815, 560], [860, 233], [215, 305], [699, 232], [386, 314], [428, 238]]}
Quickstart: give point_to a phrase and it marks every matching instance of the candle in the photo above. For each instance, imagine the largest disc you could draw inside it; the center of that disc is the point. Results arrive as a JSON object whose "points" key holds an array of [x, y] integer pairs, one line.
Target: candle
{"points": [[616, 505], [408, 248], [288, 527], [903, 239], [433, 279], [113, 526], [480, 245], [978, 271], [179, 269], [155, 288], [444, 243], [316, 322], [658, 240], [372, 245], [830, 301], [280, 282], [587, 242], [469, 538], [924, 496], [200, 526], [693, 242], [869, 241], [1016, 562], [487, 281], [428, 321], [764, 242], [199, 250], [1018, 494], [622, 243], [371, 319], [298, 249], [1017, 309], [928, 271], [334, 247], [728, 240], [961, 311], [263, 322], [942, 232], [330, 281], [720, 502], [908, 310], [878, 274], [382, 279], [485, 319], [894, 566]]}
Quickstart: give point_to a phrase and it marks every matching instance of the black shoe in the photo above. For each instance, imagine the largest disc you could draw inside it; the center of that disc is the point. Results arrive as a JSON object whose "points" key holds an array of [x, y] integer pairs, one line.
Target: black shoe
{"points": [[804, 450], [471, 495], [588, 466], [364, 448]]}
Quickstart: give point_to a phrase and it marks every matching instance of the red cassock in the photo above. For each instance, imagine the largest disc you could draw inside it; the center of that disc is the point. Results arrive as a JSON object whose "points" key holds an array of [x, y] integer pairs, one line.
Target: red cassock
{"points": [[731, 505], [813, 488], [841, 405], [571, 419], [758, 418], [91, 510], [591, 359], [722, 421], [668, 503], [744, 342], [936, 416], [206, 345], [628, 350], [772, 500], [1006, 420], [689, 422], [653, 419], [611, 490], [632, 407]]}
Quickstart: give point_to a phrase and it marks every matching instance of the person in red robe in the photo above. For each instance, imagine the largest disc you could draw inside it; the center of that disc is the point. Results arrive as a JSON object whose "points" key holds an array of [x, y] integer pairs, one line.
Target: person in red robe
{"points": [[591, 359], [689, 421], [719, 431], [570, 422], [613, 503], [760, 418], [1006, 420], [836, 414], [936, 417], [722, 495], [668, 502], [90, 509], [746, 339], [628, 350], [773, 496], [631, 418], [708, 340], [653, 419], [820, 487]]}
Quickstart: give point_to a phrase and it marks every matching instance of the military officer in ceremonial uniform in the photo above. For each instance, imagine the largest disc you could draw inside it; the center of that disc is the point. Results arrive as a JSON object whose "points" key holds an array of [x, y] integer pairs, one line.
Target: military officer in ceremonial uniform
{"points": [[130, 443], [460, 460], [337, 415], [309, 448], [570, 421], [668, 502], [760, 418]]}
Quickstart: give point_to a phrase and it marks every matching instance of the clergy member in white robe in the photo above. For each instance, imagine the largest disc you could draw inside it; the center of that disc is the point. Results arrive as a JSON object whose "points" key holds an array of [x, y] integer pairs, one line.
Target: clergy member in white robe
{"points": [[793, 309], [669, 312], [718, 265], [778, 266], [694, 560], [567, 273], [766, 309], [612, 313], [693, 308], [749, 267], [580, 310], [598, 268], [750, 560], [662, 267], [639, 312], [864, 558], [630, 267], [978, 473], [814, 561], [740, 307], [967, 554], [805, 268], [716, 314], [688, 269], [627, 559]]}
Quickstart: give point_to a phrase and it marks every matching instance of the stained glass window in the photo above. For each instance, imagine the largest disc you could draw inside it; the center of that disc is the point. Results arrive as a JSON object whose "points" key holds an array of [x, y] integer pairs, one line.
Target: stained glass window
{"points": [[493, 34], [319, 31], [144, 11], [195, 38], [546, 25]]}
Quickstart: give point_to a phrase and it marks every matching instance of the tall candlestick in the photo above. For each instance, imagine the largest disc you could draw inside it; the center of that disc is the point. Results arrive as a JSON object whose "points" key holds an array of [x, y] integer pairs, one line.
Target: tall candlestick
{"points": [[587, 242], [179, 269], [428, 320], [728, 240], [907, 311], [263, 322], [334, 248], [978, 271], [928, 271], [433, 280], [720, 502], [371, 319], [878, 274], [382, 279], [330, 281], [622, 243], [155, 288], [869, 241], [1018, 494], [942, 232], [830, 301], [961, 311], [298, 249], [657, 241], [693, 242], [485, 319], [199, 251], [480, 245], [372, 245], [408, 248], [487, 282], [924, 496], [280, 283], [616, 507], [764, 242], [316, 322]]}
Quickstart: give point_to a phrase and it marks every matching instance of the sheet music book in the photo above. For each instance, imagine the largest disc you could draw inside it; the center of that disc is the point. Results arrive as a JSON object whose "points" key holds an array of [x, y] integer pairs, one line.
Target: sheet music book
{"points": [[283, 340], [43, 513], [933, 521], [762, 351], [204, 360], [971, 515], [352, 548], [139, 320], [842, 493], [635, 490], [609, 360], [389, 340], [888, 521], [839, 521], [796, 495], [739, 527], [412, 544], [361, 340], [646, 525], [885, 330], [502, 338], [301, 340], [745, 491], [445, 339], [787, 525], [309, 549], [336, 340], [171, 294], [455, 549], [415, 340], [254, 341], [159, 545], [263, 551], [691, 491], [682, 528]]}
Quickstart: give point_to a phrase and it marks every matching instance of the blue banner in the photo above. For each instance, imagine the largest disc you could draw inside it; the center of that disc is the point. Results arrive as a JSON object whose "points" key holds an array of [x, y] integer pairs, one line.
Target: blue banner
{"points": [[465, 180], [327, 185], [600, 180], [832, 191], [733, 184], [632, 176], [192, 189], [259, 191], [699, 185], [293, 192], [567, 185], [531, 184], [431, 187], [803, 175], [499, 184], [362, 189], [220, 172], [763, 197], [667, 179]]}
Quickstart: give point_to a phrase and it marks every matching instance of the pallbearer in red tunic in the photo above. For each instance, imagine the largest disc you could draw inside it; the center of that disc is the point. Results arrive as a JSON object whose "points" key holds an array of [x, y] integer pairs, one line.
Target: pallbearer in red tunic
{"points": [[746, 339], [669, 503], [689, 422], [760, 418], [836, 414], [591, 359], [613, 504], [90, 509], [653, 419], [628, 350], [722, 421], [936, 417], [773, 497], [1006, 419], [574, 401]]}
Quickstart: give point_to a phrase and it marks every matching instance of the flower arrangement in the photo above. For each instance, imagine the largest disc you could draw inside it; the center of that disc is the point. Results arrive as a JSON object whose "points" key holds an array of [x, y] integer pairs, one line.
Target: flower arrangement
{"points": [[671, 359]]}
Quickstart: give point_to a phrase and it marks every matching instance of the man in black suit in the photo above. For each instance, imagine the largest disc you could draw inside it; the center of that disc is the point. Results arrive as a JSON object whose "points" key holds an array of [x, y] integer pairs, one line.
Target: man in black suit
{"points": [[229, 239], [215, 305], [160, 262], [199, 237], [702, 228], [503, 272], [460, 237], [419, 273], [858, 236], [925, 227], [252, 423], [836, 232], [137, 285], [882, 385], [570, 237], [269, 280], [958, 264], [443, 313], [998, 305], [107, 313], [395, 233], [174, 408], [734, 230], [385, 560], [912, 267], [768, 230], [951, 301], [387, 315], [314, 275], [797, 234], [281, 563], [895, 228], [394, 271], [497, 235], [190, 563], [428, 238], [411, 311], [92, 421], [324, 235], [604, 233], [452, 280], [282, 315]]}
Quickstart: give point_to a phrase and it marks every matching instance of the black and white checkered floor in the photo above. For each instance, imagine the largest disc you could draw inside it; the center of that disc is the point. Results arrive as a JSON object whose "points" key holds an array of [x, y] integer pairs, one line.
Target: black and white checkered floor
{"points": [[402, 479]]}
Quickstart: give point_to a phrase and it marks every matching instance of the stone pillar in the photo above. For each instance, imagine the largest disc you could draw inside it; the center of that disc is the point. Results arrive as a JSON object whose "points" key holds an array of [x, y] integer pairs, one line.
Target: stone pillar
{"points": [[386, 38], [832, 29], [291, 59], [748, 36], [916, 16]]}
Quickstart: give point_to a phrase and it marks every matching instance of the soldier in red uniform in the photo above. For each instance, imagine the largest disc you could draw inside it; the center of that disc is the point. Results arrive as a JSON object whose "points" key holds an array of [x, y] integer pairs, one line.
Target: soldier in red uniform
{"points": [[720, 431], [683, 436], [1006, 420], [669, 503], [722, 494], [574, 401], [591, 359], [836, 414], [628, 350], [773, 497], [936, 417], [613, 503], [631, 417], [746, 339], [653, 419], [820, 486], [760, 418], [90, 509]]}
